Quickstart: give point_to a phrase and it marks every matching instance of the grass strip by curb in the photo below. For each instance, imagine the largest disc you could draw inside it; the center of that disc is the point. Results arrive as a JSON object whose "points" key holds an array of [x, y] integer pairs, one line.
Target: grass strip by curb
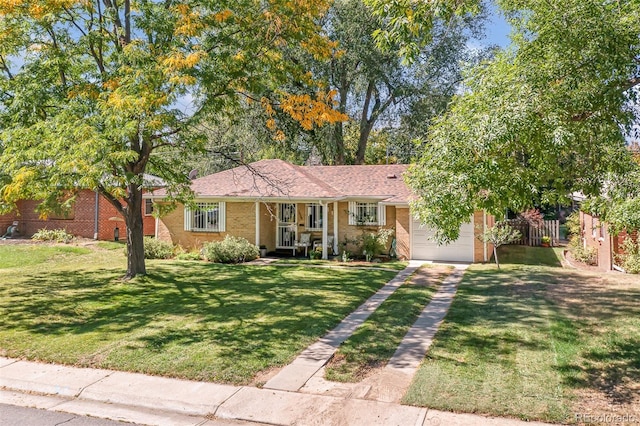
{"points": [[375, 342]]}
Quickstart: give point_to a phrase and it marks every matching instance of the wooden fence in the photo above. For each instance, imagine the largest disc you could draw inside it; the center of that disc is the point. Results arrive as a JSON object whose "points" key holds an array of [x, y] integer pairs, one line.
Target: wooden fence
{"points": [[532, 236]]}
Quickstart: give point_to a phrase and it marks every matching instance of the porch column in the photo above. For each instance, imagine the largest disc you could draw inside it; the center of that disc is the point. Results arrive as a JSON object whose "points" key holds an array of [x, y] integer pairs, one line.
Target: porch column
{"points": [[258, 223], [335, 227], [325, 228]]}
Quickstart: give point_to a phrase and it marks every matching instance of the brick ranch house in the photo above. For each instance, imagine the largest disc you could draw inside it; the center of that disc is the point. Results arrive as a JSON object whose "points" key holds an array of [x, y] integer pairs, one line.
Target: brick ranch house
{"points": [[272, 203], [91, 216]]}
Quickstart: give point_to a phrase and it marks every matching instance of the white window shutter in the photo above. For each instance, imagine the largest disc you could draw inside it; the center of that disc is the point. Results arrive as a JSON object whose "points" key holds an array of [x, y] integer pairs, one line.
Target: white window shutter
{"points": [[382, 214], [187, 218], [352, 213], [222, 216]]}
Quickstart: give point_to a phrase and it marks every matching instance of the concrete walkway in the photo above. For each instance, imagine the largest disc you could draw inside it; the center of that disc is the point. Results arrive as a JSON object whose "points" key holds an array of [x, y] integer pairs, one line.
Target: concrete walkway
{"points": [[295, 375], [162, 401]]}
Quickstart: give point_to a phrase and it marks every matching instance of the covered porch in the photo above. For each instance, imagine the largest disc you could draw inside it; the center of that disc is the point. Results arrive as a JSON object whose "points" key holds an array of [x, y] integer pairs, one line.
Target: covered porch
{"points": [[297, 225]]}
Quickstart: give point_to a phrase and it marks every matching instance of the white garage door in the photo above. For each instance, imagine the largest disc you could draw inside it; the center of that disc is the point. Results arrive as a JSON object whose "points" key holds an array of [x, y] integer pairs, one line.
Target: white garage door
{"points": [[424, 248]]}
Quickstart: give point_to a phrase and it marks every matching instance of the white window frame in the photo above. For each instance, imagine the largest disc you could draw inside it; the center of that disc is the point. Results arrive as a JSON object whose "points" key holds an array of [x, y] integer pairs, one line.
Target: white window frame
{"points": [[313, 219], [148, 207], [206, 216], [367, 213]]}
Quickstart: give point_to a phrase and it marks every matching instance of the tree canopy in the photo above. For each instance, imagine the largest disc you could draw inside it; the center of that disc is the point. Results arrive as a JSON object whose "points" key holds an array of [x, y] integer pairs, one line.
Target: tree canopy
{"points": [[91, 90], [544, 118]]}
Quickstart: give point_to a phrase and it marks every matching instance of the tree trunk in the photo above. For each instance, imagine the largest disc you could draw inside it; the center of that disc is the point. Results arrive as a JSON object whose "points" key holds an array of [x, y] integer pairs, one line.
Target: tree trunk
{"points": [[339, 144], [365, 131], [495, 255], [135, 233]]}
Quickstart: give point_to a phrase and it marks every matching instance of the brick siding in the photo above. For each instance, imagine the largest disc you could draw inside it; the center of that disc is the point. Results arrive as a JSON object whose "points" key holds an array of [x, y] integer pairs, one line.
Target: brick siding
{"points": [[81, 220]]}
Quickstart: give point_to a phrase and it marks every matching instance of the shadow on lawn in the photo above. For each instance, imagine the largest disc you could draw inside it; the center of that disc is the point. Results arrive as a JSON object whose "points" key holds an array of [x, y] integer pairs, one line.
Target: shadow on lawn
{"points": [[245, 310], [499, 313]]}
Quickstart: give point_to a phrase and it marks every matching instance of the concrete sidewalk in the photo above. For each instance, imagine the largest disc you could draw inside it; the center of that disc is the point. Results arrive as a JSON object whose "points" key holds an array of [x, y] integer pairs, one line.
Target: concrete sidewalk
{"points": [[161, 401]]}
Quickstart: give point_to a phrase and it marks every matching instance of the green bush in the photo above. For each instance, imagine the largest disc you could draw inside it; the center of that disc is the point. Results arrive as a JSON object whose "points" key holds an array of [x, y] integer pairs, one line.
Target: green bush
{"points": [[230, 250], [188, 255], [374, 244], [56, 235], [631, 258], [157, 249], [588, 255], [573, 224]]}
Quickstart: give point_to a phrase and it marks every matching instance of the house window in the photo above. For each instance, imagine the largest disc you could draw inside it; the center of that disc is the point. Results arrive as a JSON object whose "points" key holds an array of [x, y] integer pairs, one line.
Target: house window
{"points": [[148, 207], [366, 213], [314, 217], [205, 217]]}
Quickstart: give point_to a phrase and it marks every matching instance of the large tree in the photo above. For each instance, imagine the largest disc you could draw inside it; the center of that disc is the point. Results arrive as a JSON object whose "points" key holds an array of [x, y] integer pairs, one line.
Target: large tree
{"points": [[546, 117], [92, 91]]}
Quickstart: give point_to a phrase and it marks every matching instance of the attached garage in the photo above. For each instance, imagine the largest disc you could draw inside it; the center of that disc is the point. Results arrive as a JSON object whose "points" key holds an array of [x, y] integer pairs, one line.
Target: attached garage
{"points": [[424, 248]]}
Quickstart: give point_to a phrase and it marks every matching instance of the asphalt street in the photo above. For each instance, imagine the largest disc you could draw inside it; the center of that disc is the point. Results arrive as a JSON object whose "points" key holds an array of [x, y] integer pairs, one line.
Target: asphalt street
{"points": [[11, 415]]}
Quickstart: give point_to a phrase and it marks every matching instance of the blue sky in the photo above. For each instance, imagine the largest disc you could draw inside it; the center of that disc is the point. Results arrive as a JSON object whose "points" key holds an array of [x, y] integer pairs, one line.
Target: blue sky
{"points": [[497, 31]]}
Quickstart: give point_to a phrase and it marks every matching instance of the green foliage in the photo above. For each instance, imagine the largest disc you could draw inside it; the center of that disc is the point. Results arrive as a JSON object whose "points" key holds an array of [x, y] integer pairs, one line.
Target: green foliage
{"points": [[499, 234], [573, 224], [93, 93], [55, 235], [631, 258], [316, 253], [374, 244], [157, 249], [538, 121], [545, 239], [230, 250], [582, 253]]}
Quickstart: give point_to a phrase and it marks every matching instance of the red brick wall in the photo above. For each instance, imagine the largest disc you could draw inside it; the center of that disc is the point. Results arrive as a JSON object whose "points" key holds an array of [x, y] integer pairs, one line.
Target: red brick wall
{"points": [[596, 235], [82, 220], [5, 221]]}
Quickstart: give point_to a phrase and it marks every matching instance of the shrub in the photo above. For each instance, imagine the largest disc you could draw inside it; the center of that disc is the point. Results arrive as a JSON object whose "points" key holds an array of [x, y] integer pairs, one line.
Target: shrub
{"points": [[588, 255], [573, 224], [316, 253], [157, 249], [631, 258], [230, 250], [374, 244], [188, 255], [56, 235]]}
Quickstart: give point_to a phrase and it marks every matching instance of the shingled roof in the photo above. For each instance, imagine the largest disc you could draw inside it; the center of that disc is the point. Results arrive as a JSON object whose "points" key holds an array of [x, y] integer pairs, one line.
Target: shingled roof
{"points": [[279, 179]]}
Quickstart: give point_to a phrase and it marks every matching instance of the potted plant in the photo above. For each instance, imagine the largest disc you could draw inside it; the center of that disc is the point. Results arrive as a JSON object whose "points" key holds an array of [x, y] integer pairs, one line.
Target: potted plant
{"points": [[545, 241]]}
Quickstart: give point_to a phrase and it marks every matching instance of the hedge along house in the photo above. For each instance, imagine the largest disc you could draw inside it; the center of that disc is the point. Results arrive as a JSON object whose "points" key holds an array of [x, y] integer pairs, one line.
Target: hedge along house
{"points": [[272, 203]]}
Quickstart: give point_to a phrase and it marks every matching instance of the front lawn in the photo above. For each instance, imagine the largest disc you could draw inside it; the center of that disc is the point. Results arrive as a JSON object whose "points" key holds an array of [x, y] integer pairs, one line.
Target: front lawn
{"points": [[26, 255], [396, 265], [536, 342], [374, 343], [185, 319]]}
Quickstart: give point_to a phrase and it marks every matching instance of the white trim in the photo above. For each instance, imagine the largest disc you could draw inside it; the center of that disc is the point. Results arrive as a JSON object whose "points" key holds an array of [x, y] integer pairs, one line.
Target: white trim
{"points": [[335, 227], [258, 223], [325, 229], [382, 214], [187, 218]]}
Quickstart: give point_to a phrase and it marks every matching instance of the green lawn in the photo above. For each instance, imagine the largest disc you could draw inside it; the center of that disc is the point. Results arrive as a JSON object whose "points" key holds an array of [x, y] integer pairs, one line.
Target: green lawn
{"points": [[375, 342], [25, 255], [185, 319], [536, 342], [396, 265]]}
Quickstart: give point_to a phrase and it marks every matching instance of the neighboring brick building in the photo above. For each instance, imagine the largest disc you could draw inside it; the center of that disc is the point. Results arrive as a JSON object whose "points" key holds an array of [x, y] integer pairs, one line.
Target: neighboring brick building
{"points": [[596, 235], [273, 203], [81, 221]]}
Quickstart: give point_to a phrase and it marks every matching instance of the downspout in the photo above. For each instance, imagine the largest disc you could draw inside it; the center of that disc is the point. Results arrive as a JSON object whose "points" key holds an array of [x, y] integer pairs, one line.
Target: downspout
{"points": [[95, 224]]}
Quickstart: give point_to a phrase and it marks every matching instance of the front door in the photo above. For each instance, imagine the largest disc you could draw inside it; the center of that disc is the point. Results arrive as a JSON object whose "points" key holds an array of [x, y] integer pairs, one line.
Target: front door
{"points": [[287, 225]]}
